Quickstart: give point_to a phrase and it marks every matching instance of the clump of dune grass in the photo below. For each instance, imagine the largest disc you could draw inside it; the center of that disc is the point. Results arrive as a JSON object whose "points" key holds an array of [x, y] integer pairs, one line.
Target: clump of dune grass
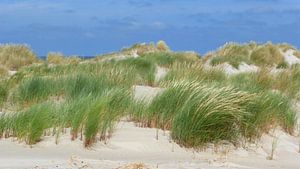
{"points": [[267, 54], [210, 114], [55, 58], [167, 59], [138, 110], [74, 115], [297, 53], [234, 60], [253, 82], [73, 60], [85, 84], [266, 112], [288, 81], [28, 125], [285, 47], [3, 92], [90, 116], [15, 56], [144, 68], [58, 58], [103, 114], [233, 53], [162, 46], [194, 71], [34, 89]]}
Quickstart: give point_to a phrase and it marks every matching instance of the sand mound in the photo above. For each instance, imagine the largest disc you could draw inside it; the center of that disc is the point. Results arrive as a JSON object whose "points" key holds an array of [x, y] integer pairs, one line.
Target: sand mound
{"points": [[243, 68], [290, 58]]}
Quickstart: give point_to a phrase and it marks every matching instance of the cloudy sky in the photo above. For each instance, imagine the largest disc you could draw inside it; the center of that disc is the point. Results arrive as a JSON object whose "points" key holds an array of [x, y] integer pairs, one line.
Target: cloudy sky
{"points": [[89, 27]]}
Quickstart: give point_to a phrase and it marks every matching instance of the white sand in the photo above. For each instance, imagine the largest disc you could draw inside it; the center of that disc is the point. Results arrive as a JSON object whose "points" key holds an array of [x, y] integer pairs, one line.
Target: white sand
{"points": [[12, 72], [132, 144], [290, 58], [146, 93], [243, 68], [161, 72]]}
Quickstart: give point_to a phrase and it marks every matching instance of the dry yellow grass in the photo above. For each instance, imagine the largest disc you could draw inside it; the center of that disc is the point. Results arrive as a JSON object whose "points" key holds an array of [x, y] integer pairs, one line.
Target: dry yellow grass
{"points": [[55, 58], [14, 56], [59, 58], [3, 71], [267, 54], [297, 53], [162, 46], [134, 166]]}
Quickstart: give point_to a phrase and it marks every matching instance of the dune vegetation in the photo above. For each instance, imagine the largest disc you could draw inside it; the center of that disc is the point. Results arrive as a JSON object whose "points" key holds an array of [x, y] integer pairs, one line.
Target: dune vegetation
{"points": [[200, 104], [262, 55], [14, 56], [59, 58]]}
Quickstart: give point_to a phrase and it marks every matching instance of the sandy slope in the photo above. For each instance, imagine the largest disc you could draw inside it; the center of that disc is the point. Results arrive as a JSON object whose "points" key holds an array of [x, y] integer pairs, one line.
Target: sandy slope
{"points": [[129, 144], [132, 144]]}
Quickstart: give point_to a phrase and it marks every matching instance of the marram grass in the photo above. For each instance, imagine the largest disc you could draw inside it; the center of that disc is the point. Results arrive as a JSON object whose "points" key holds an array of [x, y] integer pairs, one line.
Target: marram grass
{"points": [[209, 114], [197, 113], [199, 105]]}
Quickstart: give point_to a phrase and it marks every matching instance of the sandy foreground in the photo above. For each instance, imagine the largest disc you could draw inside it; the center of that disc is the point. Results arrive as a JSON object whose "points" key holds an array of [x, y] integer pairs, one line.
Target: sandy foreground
{"points": [[131, 144]]}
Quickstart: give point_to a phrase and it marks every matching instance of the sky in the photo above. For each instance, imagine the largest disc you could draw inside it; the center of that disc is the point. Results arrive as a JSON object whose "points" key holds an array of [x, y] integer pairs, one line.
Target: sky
{"points": [[90, 27]]}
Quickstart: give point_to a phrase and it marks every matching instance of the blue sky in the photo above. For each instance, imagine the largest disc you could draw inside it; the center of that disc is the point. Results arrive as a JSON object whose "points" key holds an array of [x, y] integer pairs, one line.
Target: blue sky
{"points": [[89, 27]]}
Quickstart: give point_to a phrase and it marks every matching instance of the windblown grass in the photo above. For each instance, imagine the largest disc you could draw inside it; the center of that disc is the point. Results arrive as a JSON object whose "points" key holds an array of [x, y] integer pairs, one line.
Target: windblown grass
{"points": [[268, 111], [199, 105], [194, 71], [58, 58], [3, 93], [232, 53], [144, 68], [210, 114], [91, 116], [88, 115], [167, 59], [85, 84], [288, 82], [34, 89], [198, 113], [29, 125], [267, 54], [15, 56], [55, 58], [253, 82]]}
